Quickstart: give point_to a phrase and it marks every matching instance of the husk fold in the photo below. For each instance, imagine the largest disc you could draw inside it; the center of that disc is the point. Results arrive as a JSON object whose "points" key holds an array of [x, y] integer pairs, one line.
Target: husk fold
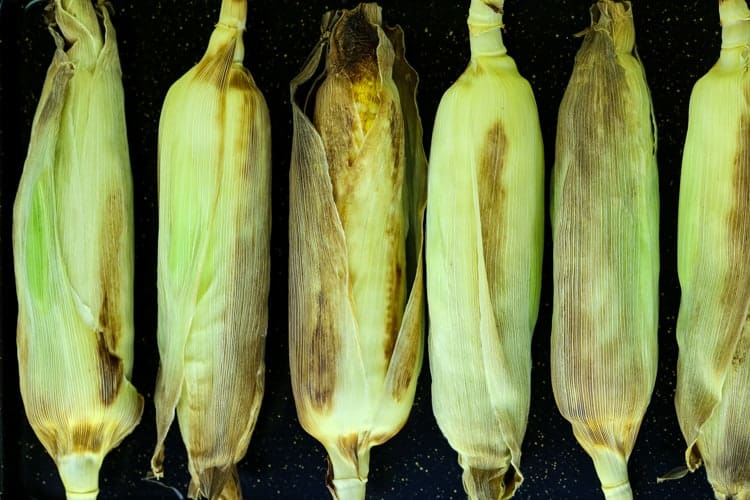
{"points": [[485, 225], [605, 212], [73, 251], [713, 328], [357, 194], [213, 260]]}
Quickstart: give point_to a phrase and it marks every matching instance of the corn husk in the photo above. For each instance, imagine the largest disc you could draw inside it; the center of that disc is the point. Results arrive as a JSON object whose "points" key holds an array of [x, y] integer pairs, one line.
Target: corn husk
{"points": [[73, 250], [213, 260], [357, 184], [485, 229], [713, 330], [605, 214]]}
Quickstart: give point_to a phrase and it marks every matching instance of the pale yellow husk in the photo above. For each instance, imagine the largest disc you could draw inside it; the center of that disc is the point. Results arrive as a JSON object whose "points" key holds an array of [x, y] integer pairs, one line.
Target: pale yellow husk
{"points": [[605, 214], [73, 250], [357, 193], [213, 260], [713, 331], [484, 239]]}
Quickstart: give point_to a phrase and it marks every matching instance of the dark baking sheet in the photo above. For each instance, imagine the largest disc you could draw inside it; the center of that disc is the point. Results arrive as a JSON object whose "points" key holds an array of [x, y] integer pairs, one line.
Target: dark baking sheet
{"points": [[159, 41]]}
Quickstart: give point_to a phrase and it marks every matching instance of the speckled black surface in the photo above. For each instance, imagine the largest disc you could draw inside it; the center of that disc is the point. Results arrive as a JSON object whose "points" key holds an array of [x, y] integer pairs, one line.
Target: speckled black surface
{"points": [[678, 41]]}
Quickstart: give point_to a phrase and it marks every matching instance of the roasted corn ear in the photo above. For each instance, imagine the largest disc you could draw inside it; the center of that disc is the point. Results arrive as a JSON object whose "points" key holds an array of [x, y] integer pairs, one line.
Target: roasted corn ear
{"points": [[73, 250], [605, 215], [213, 260], [484, 239], [357, 194], [713, 327]]}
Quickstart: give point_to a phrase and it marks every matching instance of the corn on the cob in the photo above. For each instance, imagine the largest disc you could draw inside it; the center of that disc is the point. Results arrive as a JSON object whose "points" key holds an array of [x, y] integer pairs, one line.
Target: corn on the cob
{"points": [[213, 259], [605, 247], [484, 246], [357, 185], [73, 249], [713, 328]]}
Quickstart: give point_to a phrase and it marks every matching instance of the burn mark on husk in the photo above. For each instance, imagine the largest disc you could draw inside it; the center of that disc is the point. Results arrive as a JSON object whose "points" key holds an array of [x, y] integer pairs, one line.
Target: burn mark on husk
{"points": [[491, 204], [396, 283], [110, 327], [349, 447], [214, 67], [737, 285], [354, 47], [322, 354], [85, 438], [110, 371]]}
